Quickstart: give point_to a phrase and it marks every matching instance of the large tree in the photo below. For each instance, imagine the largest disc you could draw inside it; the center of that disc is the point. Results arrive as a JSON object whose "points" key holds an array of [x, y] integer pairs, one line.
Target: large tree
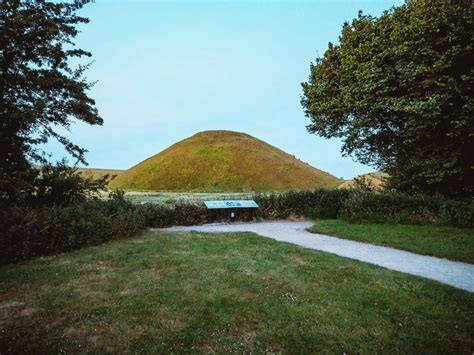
{"points": [[40, 90], [398, 90]]}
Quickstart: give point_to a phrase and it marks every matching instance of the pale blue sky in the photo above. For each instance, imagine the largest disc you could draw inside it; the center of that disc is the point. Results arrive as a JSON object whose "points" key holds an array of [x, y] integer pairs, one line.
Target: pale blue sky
{"points": [[169, 69]]}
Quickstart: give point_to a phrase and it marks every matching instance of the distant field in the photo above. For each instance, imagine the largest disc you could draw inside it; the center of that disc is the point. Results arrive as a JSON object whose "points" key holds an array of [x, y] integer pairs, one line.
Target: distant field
{"points": [[173, 197]]}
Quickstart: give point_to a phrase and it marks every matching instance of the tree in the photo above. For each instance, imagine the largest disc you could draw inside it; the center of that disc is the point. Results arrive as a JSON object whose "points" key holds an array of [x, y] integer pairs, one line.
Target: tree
{"points": [[398, 91], [62, 185], [40, 90]]}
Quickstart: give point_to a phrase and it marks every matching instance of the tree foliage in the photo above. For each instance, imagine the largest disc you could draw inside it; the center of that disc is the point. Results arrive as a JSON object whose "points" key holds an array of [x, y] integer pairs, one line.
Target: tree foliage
{"points": [[398, 90], [40, 90], [62, 185]]}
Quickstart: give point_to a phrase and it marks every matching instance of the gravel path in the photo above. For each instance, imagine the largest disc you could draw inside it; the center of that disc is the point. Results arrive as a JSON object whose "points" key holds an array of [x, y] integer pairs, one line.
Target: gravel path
{"points": [[457, 274]]}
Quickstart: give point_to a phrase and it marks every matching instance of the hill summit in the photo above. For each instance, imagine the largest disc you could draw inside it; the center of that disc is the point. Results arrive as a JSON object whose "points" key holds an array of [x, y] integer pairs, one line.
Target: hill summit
{"points": [[223, 161]]}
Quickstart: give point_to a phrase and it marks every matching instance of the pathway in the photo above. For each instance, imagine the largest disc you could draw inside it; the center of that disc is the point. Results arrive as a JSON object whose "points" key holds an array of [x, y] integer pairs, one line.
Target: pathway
{"points": [[454, 273]]}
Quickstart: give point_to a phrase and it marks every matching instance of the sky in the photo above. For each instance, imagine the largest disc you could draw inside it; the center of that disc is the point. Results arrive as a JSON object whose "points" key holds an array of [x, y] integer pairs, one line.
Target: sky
{"points": [[166, 70]]}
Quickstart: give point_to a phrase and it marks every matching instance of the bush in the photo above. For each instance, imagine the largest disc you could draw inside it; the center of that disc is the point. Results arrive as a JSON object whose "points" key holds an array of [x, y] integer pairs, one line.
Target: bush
{"points": [[53, 185], [58, 211], [363, 205], [28, 232], [61, 185], [319, 203], [182, 214], [389, 207], [457, 213], [156, 216], [186, 214]]}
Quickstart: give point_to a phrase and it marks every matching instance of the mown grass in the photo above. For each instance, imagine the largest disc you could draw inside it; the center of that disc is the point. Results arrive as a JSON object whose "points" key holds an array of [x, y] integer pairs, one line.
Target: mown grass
{"points": [[441, 241], [223, 293]]}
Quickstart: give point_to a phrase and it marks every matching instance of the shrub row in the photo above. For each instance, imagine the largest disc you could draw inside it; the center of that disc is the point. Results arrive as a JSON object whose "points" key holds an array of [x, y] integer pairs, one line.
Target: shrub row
{"points": [[319, 203], [161, 216], [29, 232], [368, 206], [187, 214], [355, 205]]}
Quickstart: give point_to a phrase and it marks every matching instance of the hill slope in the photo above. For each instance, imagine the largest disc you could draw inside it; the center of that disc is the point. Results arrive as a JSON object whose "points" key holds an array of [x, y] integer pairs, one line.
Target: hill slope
{"points": [[99, 173], [223, 161], [374, 181]]}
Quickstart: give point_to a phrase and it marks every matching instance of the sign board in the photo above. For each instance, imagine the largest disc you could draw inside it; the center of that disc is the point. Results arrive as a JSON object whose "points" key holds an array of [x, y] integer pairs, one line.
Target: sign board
{"points": [[230, 204]]}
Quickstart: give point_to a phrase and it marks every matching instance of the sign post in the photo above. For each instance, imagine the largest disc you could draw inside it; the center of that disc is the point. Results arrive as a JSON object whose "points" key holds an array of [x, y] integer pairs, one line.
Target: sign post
{"points": [[232, 208]]}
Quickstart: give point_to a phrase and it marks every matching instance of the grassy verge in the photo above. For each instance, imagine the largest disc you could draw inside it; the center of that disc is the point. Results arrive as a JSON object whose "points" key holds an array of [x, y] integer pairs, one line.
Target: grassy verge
{"points": [[221, 293], [445, 242]]}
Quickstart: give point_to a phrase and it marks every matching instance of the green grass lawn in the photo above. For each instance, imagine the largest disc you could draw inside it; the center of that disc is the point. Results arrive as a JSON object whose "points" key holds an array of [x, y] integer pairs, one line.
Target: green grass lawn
{"points": [[445, 242], [224, 293]]}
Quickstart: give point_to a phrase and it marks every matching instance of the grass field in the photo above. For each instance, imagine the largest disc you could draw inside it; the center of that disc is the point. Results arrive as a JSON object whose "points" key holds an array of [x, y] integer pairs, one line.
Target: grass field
{"points": [[160, 197], [224, 293], [445, 242]]}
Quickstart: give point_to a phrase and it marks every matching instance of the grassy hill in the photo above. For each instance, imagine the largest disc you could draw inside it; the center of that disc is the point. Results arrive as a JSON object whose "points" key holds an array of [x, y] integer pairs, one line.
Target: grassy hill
{"points": [[98, 173], [223, 161], [375, 180]]}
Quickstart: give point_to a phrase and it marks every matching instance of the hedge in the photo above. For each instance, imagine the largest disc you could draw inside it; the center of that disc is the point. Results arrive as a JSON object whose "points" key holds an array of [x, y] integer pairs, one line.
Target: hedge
{"points": [[350, 205], [28, 232], [389, 207], [320, 203]]}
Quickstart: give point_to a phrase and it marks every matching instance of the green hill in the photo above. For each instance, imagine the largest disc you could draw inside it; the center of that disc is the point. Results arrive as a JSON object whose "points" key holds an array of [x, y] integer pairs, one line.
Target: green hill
{"points": [[222, 161]]}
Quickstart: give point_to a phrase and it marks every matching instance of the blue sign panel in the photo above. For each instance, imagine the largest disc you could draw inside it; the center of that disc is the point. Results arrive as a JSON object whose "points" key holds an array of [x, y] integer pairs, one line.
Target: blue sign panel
{"points": [[231, 204]]}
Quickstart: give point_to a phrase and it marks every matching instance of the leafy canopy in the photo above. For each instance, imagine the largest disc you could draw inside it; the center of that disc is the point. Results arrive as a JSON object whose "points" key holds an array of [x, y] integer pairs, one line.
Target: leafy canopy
{"points": [[398, 91], [40, 90]]}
